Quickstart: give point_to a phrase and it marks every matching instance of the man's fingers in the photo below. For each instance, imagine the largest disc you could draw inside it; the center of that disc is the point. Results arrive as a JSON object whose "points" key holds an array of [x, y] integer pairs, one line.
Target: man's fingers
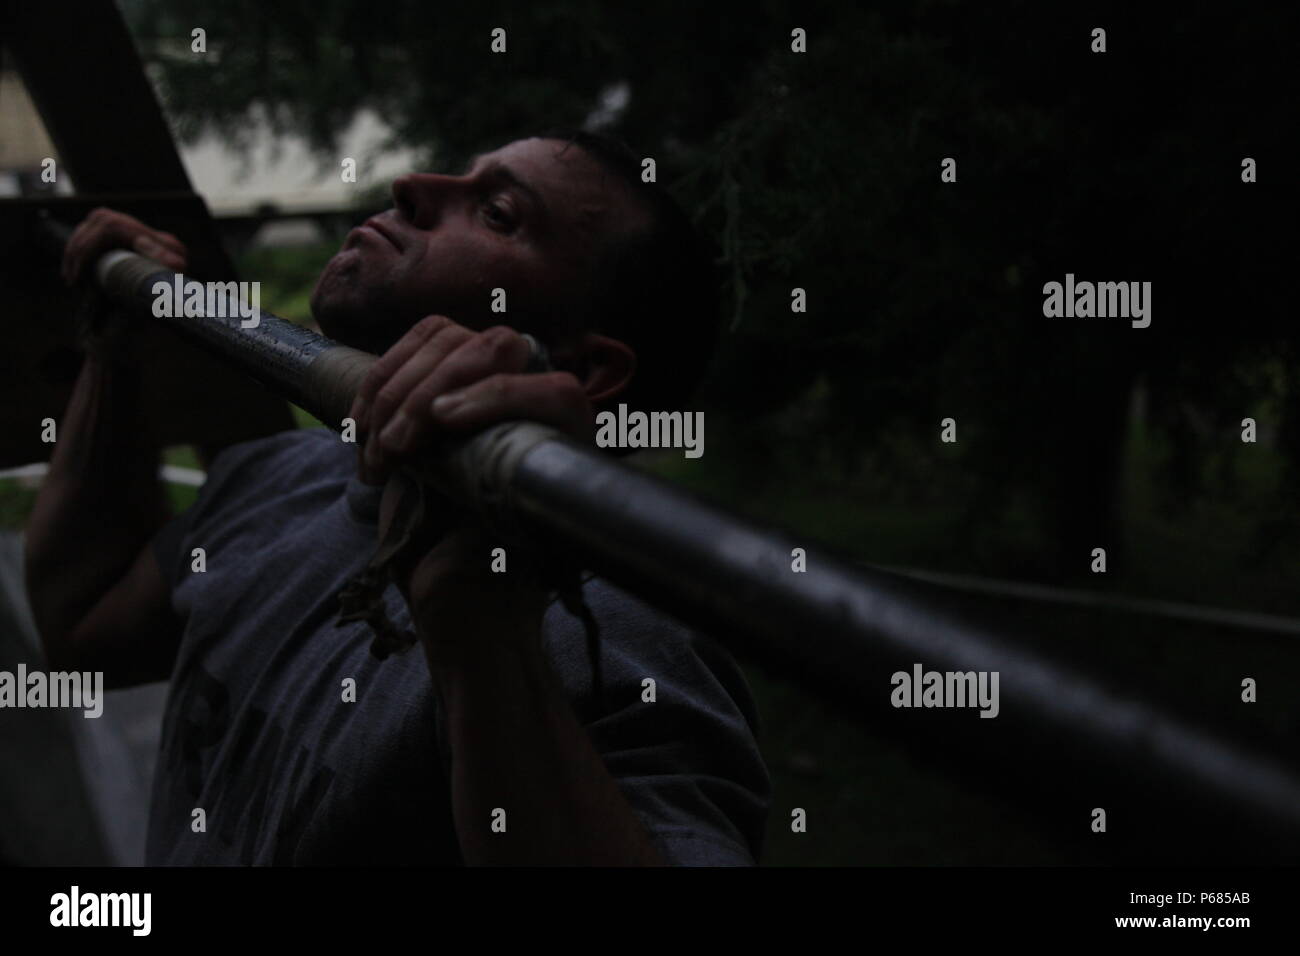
{"points": [[154, 243], [388, 364], [552, 398], [74, 252], [392, 376], [172, 254], [396, 402], [476, 357], [164, 257], [89, 236], [106, 229], [394, 397], [171, 242]]}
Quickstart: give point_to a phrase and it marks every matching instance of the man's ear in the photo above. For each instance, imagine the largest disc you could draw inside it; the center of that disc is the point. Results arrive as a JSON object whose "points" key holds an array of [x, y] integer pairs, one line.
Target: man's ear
{"points": [[605, 366]]}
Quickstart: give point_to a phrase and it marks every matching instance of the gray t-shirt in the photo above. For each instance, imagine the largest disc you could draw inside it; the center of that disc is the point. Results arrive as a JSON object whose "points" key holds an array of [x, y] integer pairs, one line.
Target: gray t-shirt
{"points": [[257, 735]]}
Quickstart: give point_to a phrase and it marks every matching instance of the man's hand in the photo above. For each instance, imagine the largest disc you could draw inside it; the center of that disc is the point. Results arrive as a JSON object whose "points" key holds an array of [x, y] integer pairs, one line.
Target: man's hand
{"points": [[106, 229], [443, 379]]}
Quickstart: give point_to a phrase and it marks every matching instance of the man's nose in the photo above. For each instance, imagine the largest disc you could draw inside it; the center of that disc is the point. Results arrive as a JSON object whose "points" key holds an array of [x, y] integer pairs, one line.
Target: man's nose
{"points": [[419, 197]]}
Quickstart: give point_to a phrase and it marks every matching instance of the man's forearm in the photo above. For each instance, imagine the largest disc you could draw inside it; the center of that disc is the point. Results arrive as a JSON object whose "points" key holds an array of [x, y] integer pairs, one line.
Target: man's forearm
{"points": [[98, 504], [520, 760]]}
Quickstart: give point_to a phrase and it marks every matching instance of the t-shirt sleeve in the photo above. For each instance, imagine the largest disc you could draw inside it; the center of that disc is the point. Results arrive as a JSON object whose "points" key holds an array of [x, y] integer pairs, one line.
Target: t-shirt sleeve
{"points": [[683, 749]]}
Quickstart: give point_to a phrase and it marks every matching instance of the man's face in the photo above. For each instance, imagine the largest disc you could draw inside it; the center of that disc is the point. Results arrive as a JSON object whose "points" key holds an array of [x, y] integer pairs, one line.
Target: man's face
{"points": [[527, 218]]}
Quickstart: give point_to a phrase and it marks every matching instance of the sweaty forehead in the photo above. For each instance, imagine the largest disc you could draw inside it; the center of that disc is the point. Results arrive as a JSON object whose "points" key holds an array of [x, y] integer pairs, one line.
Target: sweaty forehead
{"points": [[578, 191]]}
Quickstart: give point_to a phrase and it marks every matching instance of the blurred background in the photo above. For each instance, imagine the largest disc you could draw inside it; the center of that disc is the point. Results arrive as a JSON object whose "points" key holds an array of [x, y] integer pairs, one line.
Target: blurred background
{"points": [[820, 170]]}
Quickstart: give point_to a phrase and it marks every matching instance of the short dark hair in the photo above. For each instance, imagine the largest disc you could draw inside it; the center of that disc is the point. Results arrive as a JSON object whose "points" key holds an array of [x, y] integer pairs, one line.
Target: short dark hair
{"points": [[654, 288]]}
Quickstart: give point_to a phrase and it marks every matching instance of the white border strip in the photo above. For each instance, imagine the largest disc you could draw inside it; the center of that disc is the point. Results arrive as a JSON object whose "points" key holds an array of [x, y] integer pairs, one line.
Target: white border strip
{"points": [[174, 474]]}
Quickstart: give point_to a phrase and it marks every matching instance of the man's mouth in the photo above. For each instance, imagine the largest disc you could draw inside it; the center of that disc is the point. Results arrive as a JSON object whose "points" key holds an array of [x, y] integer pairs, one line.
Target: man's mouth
{"points": [[377, 225]]}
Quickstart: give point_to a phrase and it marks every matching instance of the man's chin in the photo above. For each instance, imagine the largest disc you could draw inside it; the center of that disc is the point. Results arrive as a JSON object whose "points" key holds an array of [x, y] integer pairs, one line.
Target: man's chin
{"points": [[361, 324], [336, 302], [347, 328], [355, 308]]}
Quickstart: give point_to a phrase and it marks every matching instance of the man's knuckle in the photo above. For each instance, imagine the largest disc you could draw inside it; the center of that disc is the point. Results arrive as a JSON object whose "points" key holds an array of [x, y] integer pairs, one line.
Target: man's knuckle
{"points": [[505, 345], [433, 324], [373, 380], [566, 383], [387, 397]]}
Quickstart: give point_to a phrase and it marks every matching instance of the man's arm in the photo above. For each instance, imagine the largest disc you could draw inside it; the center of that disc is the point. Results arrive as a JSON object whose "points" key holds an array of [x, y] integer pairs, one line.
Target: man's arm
{"points": [[97, 595], [516, 745]]}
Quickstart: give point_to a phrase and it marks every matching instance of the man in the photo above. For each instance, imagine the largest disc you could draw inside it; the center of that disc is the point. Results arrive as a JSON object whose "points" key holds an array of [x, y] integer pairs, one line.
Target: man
{"points": [[284, 739]]}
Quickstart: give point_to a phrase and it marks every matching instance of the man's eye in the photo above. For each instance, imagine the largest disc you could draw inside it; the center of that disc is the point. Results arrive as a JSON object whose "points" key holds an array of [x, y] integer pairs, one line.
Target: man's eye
{"points": [[498, 214]]}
